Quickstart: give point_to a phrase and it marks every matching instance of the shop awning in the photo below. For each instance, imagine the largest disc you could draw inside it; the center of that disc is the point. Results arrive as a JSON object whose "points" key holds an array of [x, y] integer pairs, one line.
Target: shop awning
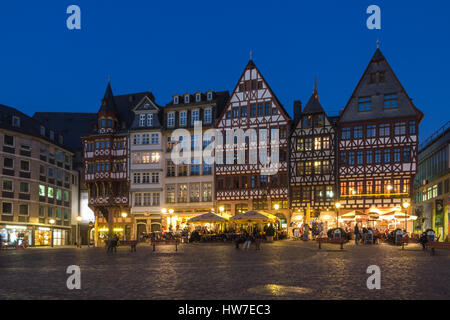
{"points": [[254, 217], [208, 218]]}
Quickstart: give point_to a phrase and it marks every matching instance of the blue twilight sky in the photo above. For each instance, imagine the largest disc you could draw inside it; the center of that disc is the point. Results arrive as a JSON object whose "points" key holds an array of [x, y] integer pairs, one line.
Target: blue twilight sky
{"points": [[184, 46]]}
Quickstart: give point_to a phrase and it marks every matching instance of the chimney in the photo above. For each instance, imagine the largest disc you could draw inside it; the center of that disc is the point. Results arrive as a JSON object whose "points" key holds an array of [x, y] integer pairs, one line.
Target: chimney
{"points": [[297, 110]]}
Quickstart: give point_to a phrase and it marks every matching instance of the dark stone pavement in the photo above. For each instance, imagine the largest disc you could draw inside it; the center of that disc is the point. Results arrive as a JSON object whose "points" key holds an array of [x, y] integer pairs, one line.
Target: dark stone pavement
{"points": [[282, 270]]}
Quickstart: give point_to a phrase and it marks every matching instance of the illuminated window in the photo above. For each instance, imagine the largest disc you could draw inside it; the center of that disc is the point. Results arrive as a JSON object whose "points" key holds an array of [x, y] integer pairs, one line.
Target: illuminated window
{"points": [[326, 143], [318, 143], [369, 187], [50, 192], [343, 188], [155, 157]]}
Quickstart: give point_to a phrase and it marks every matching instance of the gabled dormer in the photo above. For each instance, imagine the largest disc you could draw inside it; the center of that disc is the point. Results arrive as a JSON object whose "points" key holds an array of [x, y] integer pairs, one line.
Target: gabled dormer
{"points": [[198, 97], [176, 99], [187, 98], [146, 114], [209, 95]]}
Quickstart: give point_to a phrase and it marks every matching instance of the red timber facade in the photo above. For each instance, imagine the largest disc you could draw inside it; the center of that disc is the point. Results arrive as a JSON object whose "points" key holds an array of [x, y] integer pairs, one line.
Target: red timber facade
{"points": [[241, 177], [313, 166], [106, 165], [378, 140]]}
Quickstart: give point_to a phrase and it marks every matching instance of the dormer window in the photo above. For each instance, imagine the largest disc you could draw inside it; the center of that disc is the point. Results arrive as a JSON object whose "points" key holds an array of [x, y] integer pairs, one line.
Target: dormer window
{"points": [[42, 131], [186, 99], [176, 100], [60, 139], [198, 97], [142, 119], [52, 135], [149, 120], [15, 121], [209, 96]]}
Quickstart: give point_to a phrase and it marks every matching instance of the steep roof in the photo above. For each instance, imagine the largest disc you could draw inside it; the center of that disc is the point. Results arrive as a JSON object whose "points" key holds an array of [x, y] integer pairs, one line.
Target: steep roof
{"points": [[251, 65], [108, 103], [377, 90], [313, 105]]}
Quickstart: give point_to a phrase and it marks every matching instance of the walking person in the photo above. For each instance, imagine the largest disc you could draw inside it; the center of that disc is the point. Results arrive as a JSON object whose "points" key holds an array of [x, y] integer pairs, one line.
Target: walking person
{"points": [[248, 241], [356, 234]]}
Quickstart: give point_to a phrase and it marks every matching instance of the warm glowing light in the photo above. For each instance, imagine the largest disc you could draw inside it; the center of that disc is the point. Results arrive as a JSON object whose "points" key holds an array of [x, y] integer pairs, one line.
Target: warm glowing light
{"points": [[389, 187], [16, 227], [221, 208], [338, 205], [171, 211], [79, 218], [124, 215], [117, 229], [163, 210], [52, 221], [406, 205], [277, 207], [414, 218]]}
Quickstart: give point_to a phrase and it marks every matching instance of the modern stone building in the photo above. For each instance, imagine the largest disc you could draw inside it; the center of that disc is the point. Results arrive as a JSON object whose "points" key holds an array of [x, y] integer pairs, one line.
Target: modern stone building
{"points": [[189, 186], [37, 180], [431, 184], [73, 126]]}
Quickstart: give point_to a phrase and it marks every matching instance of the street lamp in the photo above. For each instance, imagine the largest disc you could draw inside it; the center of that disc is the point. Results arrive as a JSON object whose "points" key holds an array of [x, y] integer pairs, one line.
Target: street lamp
{"points": [[338, 206], [406, 206], [221, 209], [78, 232], [163, 210], [124, 216], [52, 222], [276, 207]]}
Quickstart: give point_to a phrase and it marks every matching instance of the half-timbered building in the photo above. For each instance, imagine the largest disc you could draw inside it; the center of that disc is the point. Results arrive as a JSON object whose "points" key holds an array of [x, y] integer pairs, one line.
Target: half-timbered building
{"points": [[106, 160], [378, 139], [312, 164], [244, 176]]}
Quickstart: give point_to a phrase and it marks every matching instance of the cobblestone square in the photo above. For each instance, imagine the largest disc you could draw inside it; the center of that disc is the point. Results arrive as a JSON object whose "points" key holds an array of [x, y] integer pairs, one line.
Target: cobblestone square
{"points": [[282, 270]]}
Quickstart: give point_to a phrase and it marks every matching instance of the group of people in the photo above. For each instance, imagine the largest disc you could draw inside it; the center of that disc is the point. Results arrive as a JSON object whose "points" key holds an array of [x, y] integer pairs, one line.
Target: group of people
{"points": [[317, 231], [361, 235], [247, 238]]}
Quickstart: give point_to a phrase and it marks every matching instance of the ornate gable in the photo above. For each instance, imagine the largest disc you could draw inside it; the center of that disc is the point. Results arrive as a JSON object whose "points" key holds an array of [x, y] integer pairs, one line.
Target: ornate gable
{"points": [[378, 87]]}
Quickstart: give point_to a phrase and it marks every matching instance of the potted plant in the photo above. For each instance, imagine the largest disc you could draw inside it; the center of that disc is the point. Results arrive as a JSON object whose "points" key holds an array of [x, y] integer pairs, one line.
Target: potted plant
{"points": [[270, 232]]}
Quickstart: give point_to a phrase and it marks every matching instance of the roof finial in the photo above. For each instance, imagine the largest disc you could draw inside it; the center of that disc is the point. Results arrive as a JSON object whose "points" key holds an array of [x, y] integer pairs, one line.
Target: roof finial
{"points": [[109, 79], [378, 43], [251, 55]]}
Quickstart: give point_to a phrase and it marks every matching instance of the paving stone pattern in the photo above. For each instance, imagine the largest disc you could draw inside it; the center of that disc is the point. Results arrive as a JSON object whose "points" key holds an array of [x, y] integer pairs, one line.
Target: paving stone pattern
{"points": [[282, 270]]}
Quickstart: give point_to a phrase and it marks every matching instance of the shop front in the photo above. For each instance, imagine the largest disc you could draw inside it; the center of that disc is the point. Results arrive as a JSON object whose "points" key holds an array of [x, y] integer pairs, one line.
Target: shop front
{"points": [[20, 236], [43, 237]]}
